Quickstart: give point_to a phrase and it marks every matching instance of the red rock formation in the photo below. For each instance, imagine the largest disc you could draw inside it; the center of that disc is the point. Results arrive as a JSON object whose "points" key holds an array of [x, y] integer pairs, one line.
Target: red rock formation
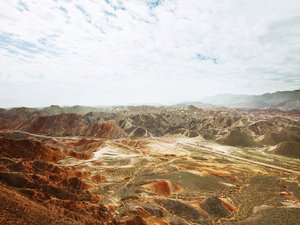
{"points": [[28, 149], [63, 125], [163, 187]]}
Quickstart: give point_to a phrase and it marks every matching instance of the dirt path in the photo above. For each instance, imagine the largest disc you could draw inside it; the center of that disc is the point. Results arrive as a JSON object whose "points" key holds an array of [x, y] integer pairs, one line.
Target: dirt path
{"points": [[241, 159]]}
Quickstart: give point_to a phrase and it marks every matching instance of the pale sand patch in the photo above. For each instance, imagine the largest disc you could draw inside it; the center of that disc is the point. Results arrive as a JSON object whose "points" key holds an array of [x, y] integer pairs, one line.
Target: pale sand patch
{"points": [[111, 152]]}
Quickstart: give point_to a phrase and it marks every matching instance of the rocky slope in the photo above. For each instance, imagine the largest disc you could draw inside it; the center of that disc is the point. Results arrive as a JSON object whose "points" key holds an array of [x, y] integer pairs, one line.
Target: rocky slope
{"points": [[165, 181]]}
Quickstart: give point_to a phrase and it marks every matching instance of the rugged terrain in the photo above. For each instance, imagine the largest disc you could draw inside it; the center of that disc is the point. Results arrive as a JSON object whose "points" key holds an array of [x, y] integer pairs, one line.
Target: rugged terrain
{"points": [[149, 165]]}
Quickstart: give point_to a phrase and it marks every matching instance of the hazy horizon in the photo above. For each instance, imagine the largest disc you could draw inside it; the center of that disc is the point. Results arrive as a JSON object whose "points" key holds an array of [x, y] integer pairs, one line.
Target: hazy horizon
{"points": [[156, 104], [115, 52]]}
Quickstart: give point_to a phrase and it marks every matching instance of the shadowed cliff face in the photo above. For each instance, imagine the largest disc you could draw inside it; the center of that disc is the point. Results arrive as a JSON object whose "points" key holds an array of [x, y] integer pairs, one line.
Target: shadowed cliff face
{"points": [[189, 167]]}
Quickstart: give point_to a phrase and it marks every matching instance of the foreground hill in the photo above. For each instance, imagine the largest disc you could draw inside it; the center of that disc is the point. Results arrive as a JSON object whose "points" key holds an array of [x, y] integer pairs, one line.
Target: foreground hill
{"points": [[139, 181]]}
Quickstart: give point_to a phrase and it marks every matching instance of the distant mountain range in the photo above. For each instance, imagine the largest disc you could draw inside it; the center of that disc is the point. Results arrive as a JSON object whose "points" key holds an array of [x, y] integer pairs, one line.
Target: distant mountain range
{"points": [[283, 100]]}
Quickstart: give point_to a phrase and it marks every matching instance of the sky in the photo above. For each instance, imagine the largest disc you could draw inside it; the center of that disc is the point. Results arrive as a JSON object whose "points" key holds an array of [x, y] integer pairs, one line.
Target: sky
{"points": [[120, 52]]}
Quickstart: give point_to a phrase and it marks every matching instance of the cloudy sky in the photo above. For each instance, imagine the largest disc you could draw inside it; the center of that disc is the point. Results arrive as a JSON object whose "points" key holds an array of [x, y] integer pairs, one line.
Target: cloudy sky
{"points": [[106, 52]]}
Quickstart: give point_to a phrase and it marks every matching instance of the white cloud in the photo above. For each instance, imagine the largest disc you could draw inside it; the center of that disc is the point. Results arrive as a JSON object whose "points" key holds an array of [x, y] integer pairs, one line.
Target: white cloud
{"points": [[144, 51]]}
